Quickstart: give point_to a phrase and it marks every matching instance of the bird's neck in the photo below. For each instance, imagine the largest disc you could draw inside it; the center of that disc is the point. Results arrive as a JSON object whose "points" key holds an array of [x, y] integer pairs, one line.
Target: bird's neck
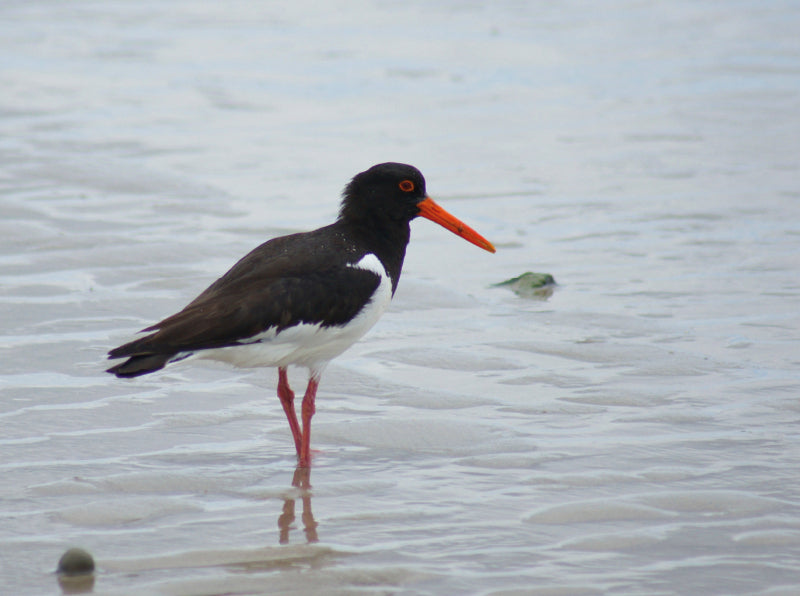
{"points": [[387, 242]]}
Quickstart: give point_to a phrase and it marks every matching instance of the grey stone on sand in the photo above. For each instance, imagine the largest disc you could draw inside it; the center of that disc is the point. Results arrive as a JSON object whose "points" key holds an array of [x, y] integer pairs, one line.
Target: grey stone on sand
{"points": [[76, 561]]}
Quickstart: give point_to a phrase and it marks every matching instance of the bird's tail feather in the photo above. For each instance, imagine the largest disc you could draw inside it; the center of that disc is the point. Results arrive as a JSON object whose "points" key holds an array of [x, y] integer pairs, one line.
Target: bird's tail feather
{"points": [[140, 365]]}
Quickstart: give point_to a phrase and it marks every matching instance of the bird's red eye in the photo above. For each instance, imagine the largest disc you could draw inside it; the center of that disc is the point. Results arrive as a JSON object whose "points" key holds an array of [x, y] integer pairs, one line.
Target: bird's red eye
{"points": [[406, 186]]}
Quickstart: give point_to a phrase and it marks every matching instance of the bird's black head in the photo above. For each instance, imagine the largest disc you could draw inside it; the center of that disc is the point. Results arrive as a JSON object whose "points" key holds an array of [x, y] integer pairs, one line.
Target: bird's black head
{"points": [[385, 198], [388, 191]]}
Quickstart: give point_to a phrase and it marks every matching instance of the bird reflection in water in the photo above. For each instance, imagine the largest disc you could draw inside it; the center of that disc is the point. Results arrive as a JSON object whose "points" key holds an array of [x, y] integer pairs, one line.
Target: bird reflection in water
{"points": [[301, 481]]}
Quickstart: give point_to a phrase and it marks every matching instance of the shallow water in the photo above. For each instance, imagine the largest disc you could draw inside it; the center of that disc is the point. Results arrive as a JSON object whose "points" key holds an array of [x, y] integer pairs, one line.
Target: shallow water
{"points": [[635, 433]]}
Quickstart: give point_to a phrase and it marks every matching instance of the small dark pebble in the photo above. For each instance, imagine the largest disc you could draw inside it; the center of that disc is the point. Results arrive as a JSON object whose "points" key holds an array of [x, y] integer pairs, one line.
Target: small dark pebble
{"points": [[76, 561]]}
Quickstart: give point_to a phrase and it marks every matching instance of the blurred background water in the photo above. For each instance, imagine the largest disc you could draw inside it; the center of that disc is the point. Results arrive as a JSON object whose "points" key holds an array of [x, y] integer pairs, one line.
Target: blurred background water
{"points": [[634, 433]]}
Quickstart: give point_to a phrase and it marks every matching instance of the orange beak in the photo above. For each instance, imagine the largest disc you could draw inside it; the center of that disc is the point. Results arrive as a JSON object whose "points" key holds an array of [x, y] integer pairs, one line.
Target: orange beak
{"points": [[430, 210]]}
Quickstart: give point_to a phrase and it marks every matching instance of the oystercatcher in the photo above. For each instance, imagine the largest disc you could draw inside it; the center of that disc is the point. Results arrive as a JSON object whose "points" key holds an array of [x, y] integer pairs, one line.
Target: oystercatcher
{"points": [[302, 299]]}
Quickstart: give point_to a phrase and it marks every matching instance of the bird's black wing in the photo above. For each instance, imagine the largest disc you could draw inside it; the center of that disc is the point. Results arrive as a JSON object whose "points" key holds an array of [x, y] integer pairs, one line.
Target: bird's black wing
{"points": [[283, 282]]}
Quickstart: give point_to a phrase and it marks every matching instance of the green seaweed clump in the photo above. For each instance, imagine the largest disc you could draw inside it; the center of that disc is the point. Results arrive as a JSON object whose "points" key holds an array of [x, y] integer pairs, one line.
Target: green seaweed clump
{"points": [[530, 285]]}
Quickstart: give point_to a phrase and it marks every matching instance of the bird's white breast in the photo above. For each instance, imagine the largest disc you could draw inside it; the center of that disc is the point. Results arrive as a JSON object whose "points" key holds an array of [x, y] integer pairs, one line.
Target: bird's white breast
{"points": [[310, 345]]}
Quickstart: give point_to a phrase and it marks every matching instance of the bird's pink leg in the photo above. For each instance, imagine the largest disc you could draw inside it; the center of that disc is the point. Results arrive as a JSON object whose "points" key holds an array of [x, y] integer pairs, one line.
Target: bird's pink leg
{"points": [[307, 413], [286, 395]]}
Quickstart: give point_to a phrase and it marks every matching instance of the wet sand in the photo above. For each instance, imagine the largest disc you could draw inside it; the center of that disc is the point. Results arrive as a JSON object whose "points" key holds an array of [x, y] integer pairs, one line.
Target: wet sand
{"points": [[634, 433]]}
